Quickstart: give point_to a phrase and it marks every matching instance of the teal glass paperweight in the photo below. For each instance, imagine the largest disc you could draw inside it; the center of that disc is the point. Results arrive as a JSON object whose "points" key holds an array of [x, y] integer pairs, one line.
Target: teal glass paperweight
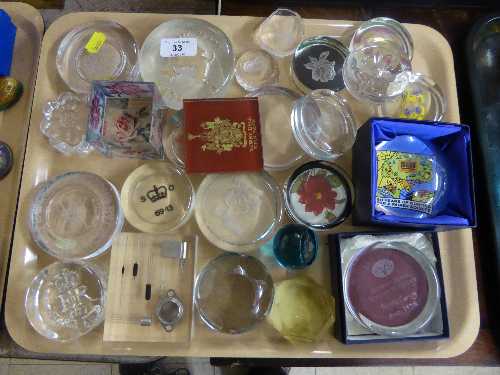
{"points": [[295, 246]]}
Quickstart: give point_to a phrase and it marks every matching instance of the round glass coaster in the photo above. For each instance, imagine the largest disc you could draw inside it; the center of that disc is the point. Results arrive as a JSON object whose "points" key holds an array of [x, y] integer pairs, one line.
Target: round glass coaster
{"points": [[323, 125], [100, 50], [422, 99], [66, 300], [376, 73], [391, 288], [317, 64], [75, 216], [238, 211], [157, 198], [318, 195], [256, 68], [382, 30], [280, 149]]}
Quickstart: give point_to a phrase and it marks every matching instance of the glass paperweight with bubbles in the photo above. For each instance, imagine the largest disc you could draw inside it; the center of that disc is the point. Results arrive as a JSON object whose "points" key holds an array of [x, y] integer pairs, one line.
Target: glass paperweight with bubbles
{"points": [[256, 68], [376, 73], [66, 300], [100, 50], [280, 33]]}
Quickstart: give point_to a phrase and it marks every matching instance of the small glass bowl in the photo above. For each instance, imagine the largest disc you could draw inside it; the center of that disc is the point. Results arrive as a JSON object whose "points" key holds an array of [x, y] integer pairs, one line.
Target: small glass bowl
{"points": [[233, 292], [280, 33], [114, 61], [318, 195], [422, 99], [376, 73], [256, 68], [323, 125], [238, 211], [279, 147], [75, 216], [64, 123], [382, 30], [391, 288], [204, 75], [66, 300]]}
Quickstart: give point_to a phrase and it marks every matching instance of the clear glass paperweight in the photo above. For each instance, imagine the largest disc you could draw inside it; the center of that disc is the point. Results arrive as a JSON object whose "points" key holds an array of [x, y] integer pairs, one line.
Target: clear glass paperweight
{"points": [[64, 123], [187, 58], [100, 50], [280, 33], [382, 30], [279, 146], [376, 73], [238, 211], [256, 68], [66, 300], [75, 215], [323, 125], [233, 293], [422, 99]]}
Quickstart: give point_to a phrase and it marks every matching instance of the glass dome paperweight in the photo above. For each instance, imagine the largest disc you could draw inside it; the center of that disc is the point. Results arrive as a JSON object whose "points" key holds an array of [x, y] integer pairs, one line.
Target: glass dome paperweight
{"points": [[376, 73], [323, 125], [233, 292], [64, 123], [238, 211], [200, 69], [100, 50], [75, 215], [66, 300], [422, 99], [295, 246], [256, 68], [157, 198], [382, 30], [279, 147], [280, 33]]}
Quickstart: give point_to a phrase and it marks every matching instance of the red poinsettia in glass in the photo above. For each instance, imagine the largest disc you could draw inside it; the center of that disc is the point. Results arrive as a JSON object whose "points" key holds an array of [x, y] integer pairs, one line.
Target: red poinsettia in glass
{"points": [[316, 193]]}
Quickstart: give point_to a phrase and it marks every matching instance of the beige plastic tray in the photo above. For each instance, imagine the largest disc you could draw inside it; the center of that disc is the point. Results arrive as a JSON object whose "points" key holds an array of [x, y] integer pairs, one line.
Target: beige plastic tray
{"points": [[432, 56], [14, 122]]}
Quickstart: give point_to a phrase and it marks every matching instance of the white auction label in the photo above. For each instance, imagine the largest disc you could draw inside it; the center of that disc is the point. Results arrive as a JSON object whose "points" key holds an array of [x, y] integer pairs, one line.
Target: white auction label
{"points": [[175, 47]]}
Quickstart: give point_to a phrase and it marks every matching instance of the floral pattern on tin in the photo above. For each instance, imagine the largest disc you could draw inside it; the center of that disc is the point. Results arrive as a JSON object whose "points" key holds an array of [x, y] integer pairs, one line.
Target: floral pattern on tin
{"points": [[323, 70]]}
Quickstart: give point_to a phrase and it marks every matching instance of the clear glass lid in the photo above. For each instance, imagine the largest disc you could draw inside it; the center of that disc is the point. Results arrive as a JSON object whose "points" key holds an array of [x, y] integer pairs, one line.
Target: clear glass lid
{"points": [[256, 68]]}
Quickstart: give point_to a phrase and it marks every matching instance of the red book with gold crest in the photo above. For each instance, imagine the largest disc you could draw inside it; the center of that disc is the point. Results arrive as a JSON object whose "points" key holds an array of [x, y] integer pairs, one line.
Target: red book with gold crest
{"points": [[222, 135]]}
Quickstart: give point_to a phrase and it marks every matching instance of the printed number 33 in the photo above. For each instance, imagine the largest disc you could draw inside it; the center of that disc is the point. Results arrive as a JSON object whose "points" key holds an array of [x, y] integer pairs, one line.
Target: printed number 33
{"points": [[177, 47]]}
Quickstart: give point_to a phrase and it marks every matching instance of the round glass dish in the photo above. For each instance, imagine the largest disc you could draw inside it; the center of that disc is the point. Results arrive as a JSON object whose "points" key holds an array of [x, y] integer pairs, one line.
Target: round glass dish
{"points": [[233, 293], [279, 147], [391, 288], [382, 30], [114, 60], [75, 215], [204, 75], [66, 300], [157, 198], [317, 64], [323, 125], [238, 211], [376, 73], [256, 68], [422, 99], [318, 195]]}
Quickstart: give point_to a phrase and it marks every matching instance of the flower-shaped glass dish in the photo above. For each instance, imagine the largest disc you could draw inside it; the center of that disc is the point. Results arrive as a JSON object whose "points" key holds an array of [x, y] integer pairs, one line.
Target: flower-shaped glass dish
{"points": [[256, 68], [66, 300], [100, 50], [157, 197], [422, 99], [376, 73], [318, 195], [233, 293], [323, 124], [75, 215], [64, 123], [279, 147], [280, 33], [204, 74], [238, 211], [382, 30]]}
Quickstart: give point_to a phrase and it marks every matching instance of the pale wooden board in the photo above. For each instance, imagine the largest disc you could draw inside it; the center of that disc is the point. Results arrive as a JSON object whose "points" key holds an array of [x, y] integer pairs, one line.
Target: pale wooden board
{"points": [[432, 56]]}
